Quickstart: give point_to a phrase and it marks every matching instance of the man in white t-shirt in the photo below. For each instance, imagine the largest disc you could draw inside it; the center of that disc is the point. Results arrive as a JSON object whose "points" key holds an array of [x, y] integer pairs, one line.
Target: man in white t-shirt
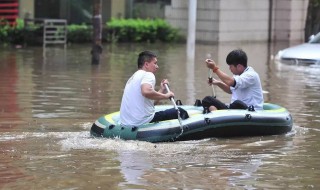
{"points": [[139, 96], [244, 86]]}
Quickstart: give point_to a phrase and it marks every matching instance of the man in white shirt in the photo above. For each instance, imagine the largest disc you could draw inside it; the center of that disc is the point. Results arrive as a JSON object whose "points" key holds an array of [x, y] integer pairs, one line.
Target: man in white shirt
{"points": [[139, 97], [244, 86]]}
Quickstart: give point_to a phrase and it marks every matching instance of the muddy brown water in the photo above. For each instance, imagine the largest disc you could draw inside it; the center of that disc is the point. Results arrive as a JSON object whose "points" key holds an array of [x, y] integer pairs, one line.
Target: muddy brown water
{"points": [[47, 106]]}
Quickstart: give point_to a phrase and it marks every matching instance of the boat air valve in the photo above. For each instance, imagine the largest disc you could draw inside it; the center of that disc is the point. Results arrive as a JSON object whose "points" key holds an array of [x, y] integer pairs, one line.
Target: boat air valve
{"points": [[134, 128], [179, 103], [197, 103], [248, 116], [251, 108], [207, 120]]}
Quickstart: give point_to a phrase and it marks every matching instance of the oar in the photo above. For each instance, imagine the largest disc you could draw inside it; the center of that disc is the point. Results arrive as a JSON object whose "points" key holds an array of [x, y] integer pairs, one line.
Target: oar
{"points": [[175, 107], [210, 80], [171, 98], [210, 77]]}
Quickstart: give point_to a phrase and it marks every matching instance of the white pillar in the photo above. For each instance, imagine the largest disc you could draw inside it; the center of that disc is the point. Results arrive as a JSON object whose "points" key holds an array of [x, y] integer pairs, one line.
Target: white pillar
{"points": [[192, 18]]}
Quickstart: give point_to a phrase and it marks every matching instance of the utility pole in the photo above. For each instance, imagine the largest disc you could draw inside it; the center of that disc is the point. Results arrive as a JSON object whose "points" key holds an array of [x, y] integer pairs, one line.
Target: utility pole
{"points": [[97, 32]]}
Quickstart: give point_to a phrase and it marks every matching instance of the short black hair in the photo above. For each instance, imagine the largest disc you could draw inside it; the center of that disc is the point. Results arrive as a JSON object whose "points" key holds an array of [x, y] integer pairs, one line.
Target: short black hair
{"points": [[145, 56], [237, 56]]}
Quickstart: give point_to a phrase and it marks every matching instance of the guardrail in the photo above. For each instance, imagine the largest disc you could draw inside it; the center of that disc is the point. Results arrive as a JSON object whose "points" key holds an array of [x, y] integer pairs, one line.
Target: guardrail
{"points": [[54, 31]]}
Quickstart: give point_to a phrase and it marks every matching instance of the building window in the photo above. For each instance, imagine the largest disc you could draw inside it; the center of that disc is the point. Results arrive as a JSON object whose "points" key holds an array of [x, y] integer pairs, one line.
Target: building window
{"points": [[74, 11], [149, 8]]}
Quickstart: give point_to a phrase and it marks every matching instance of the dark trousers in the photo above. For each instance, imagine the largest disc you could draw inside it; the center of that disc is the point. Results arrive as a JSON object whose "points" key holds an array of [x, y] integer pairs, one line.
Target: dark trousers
{"points": [[211, 101], [169, 114]]}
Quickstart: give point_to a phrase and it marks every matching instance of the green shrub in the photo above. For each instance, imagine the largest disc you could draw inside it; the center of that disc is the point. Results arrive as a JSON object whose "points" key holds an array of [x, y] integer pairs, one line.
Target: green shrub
{"points": [[116, 30], [79, 33], [16, 34], [4, 31], [138, 30], [166, 33]]}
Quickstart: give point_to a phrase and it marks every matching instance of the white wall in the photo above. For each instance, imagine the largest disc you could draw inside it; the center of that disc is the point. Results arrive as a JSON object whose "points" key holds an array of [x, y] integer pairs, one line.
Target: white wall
{"points": [[289, 18], [244, 20], [26, 9], [241, 20]]}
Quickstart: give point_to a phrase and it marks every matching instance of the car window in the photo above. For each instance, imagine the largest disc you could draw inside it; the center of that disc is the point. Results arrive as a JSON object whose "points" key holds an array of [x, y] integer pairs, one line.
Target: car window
{"points": [[316, 39]]}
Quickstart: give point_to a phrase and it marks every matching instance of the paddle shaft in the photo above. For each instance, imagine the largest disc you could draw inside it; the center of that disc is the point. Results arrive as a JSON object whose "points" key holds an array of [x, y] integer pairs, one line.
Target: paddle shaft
{"points": [[210, 80], [171, 98], [176, 108]]}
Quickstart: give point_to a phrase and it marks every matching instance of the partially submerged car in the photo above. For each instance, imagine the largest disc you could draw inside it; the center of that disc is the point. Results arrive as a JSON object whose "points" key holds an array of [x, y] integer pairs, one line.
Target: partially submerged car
{"points": [[303, 54]]}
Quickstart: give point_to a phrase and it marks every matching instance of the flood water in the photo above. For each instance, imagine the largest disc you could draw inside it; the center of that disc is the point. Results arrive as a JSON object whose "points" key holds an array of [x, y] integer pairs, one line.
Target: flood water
{"points": [[48, 104]]}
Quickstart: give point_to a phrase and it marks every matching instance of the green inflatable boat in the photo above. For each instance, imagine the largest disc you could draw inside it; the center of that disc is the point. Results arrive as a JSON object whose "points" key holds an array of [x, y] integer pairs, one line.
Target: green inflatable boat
{"points": [[273, 120]]}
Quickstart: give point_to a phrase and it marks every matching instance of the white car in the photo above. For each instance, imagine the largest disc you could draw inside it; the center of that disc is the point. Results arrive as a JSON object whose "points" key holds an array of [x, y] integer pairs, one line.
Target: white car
{"points": [[304, 54]]}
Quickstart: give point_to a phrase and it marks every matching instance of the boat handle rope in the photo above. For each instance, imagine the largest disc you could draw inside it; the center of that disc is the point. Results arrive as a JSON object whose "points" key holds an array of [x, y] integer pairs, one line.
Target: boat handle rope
{"points": [[177, 109]]}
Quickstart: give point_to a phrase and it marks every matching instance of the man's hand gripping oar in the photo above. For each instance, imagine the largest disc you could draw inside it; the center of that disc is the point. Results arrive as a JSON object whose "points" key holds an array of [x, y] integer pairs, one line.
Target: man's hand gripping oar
{"points": [[210, 81], [175, 107], [210, 77]]}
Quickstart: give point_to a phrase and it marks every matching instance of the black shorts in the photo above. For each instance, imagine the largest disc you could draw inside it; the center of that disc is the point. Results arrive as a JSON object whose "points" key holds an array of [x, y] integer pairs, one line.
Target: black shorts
{"points": [[169, 114], [211, 101]]}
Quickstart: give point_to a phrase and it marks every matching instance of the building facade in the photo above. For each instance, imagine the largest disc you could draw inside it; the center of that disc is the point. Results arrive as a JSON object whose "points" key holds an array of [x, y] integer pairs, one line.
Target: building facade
{"points": [[74, 11], [217, 20], [242, 20]]}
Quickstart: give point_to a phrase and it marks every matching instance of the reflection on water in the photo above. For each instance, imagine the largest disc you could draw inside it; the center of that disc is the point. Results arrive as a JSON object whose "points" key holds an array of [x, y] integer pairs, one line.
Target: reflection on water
{"points": [[47, 106]]}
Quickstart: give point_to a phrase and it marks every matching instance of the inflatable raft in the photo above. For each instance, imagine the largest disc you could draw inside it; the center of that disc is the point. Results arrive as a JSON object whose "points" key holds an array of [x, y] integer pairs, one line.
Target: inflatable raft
{"points": [[273, 120]]}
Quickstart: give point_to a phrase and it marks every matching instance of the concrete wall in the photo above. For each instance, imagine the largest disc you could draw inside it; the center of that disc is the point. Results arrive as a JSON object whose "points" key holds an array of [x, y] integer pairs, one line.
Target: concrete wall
{"points": [[207, 18], [26, 9], [118, 8], [242, 20], [289, 18], [148, 10], [113, 9]]}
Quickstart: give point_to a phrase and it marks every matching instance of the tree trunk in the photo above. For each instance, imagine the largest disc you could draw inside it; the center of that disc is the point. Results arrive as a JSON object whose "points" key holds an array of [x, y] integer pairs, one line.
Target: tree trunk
{"points": [[313, 19], [97, 32]]}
